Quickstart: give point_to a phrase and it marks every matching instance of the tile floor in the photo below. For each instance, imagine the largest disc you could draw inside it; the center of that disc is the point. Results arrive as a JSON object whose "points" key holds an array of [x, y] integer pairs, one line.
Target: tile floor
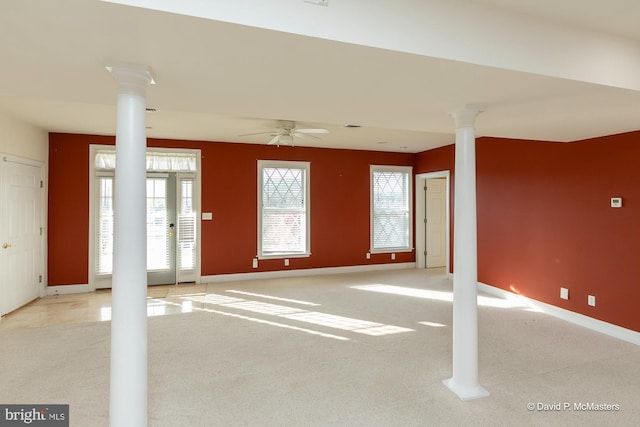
{"points": [[96, 306]]}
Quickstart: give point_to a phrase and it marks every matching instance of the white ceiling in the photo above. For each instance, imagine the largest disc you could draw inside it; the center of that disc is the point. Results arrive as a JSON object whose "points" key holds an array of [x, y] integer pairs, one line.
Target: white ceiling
{"points": [[616, 17], [217, 80]]}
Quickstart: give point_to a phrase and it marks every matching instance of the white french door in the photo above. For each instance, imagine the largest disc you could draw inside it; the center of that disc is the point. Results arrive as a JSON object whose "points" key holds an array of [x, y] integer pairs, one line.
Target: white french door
{"points": [[171, 229], [21, 230], [161, 228]]}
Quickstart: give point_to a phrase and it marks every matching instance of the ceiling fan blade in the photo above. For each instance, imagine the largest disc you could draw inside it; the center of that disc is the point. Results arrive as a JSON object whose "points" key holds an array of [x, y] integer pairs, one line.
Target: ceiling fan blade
{"points": [[312, 131], [256, 133], [274, 140], [304, 135]]}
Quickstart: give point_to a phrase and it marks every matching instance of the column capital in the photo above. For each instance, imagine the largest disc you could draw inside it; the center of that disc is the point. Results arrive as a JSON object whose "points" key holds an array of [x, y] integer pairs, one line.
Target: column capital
{"points": [[465, 117], [131, 78]]}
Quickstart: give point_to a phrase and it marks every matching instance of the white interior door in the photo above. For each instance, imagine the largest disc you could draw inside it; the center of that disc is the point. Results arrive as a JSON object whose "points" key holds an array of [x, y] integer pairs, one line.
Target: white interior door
{"points": [[20, 234], [436, 232]]}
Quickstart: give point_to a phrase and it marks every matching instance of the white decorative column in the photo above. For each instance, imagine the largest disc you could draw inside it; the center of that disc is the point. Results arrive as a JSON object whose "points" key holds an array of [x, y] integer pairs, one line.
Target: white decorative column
{"points": [[464, 382], [128, 393]]}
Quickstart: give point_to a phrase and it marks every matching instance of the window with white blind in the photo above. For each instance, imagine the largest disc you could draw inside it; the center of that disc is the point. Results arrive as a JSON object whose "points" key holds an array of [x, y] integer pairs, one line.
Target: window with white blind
{"points": [[391, 208], [186, 225], [104, 225], [283, 209]]}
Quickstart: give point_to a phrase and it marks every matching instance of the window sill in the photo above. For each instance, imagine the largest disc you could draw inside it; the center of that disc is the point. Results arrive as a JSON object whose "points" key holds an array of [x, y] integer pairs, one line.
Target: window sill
{"points": [[390, 251]]}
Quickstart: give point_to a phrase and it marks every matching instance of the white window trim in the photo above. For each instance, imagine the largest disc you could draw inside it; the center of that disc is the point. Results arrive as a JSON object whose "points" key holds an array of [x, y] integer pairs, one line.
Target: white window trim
{"points": [[386, 168], [294, 165]]}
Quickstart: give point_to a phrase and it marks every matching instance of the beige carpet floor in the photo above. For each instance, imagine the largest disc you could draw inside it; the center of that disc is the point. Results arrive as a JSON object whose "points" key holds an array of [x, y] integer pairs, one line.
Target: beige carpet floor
{"points": [[362, 349]]}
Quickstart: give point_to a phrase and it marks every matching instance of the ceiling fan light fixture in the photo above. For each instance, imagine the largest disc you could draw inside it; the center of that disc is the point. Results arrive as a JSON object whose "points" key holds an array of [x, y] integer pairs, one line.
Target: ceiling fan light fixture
{"points": [[285, 139]]}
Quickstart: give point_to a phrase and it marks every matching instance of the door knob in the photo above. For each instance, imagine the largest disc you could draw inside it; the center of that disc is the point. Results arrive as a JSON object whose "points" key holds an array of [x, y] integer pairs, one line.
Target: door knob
{"points": [[6, 246]]}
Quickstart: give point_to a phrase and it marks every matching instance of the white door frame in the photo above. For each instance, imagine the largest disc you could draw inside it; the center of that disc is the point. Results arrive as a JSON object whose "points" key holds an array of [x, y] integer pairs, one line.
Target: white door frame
{"points": [[93, 148], [420, 215]]}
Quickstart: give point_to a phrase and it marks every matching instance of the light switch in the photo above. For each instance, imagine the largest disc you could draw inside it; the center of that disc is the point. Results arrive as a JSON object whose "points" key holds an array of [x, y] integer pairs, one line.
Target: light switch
{"points": [[564, 293], [207, 216]]}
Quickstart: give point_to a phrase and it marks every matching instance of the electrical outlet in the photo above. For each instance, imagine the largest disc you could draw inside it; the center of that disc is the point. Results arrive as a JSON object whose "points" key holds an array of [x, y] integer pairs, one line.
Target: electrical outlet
{"points": [[591, 300], [286, 262], [255, 263], [368, 255], [564, 293], [393, 256]]}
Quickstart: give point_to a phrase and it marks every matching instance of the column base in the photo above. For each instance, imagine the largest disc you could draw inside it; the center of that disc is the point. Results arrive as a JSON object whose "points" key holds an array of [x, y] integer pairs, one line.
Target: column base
{"points": [[466, 393]]}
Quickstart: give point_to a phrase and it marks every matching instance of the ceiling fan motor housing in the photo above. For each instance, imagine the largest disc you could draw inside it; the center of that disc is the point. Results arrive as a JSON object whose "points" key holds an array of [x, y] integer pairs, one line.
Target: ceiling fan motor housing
{"points": [[287, 125]]}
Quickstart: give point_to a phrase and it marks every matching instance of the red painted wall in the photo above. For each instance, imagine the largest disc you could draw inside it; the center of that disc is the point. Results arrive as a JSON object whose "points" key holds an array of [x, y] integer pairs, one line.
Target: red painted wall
{"points": [[339, 205], [68, 220], [438, 160], [545, 221]]}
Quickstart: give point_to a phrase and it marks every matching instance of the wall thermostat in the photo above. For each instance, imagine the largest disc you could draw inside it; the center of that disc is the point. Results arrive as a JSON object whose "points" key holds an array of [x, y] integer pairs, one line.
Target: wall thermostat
{"points": [[616, 202]]}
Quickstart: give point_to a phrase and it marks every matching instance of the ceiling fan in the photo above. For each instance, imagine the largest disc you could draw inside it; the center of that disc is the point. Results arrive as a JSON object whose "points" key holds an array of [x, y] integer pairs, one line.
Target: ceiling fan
{"points": [[286, 131]]}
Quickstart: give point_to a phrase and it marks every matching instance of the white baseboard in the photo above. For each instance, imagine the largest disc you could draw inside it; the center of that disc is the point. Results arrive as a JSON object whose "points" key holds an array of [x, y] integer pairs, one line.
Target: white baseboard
{"points": [[304, 272], [570, 316], [68, 289]]}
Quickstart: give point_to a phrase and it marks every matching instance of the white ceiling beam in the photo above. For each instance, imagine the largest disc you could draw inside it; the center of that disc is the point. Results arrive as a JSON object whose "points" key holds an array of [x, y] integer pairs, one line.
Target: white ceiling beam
{"points": [[456, 30]]}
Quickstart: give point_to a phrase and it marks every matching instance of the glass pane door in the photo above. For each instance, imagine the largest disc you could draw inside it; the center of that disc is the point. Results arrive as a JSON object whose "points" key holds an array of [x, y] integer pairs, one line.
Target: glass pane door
{"points": [[161, 229]]}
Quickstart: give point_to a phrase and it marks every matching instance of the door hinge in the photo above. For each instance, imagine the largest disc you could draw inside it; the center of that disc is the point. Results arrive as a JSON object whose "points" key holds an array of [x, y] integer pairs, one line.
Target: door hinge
{"points": [[41, 230], [425, 188], [41, 184], [40, 278]]}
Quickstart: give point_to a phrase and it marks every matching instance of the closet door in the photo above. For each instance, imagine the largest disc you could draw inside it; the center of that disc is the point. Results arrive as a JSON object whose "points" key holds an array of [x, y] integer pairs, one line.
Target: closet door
{"points": [[20, 234]]}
